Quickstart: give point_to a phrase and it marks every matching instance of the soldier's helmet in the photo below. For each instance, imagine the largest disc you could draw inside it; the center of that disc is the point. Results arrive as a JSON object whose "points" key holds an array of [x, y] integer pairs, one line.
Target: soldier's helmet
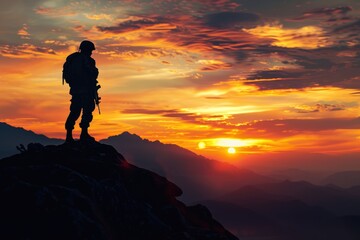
{"points": [[87, 46]]}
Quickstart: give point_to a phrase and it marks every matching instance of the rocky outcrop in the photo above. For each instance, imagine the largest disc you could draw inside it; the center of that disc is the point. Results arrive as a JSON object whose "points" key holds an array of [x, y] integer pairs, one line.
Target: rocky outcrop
{"points": [[89, 191]]}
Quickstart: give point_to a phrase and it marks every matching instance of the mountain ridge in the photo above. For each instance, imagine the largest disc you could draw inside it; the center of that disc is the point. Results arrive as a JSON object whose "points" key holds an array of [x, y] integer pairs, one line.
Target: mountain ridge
{"points": [[201, 177], [11, 137], [289, 210]]}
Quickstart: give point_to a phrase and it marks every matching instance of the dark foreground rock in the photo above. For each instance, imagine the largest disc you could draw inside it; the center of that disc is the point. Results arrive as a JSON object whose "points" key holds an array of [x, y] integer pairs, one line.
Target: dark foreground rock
{"points": [[77, 191]]}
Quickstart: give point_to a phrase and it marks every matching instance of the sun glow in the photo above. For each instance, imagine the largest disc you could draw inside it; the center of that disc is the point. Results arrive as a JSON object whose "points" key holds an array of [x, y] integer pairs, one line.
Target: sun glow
{"points": [[201, 145], [231, 142], [231, 150]]}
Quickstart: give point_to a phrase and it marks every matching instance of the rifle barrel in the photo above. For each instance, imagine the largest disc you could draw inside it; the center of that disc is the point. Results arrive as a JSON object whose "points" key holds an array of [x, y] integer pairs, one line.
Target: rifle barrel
{"points": [[99, 108]]}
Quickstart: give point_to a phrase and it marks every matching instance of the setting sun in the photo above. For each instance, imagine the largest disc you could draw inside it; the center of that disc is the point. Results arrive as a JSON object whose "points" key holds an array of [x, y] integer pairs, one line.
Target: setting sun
{"points": [[231, 150], [201, 145]]}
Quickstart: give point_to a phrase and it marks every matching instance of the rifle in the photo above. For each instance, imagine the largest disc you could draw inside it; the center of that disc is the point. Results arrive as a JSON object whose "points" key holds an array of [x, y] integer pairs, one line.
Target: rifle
{"points": [[96, 97]]}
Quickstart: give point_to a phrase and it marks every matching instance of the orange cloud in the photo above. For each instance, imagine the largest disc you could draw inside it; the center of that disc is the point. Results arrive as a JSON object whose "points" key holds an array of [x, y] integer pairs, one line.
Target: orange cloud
{"points": [[24, 33], [98, 17], [27, 50], [307, 37], [56, 11], [210, 65]]}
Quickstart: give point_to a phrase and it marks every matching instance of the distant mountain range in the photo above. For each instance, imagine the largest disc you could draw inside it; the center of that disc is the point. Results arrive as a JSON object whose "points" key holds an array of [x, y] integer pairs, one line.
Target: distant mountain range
{"points": [[294, 174], [336, 200], [290, 210], [10, 137], [344, 179], [200, 177]]}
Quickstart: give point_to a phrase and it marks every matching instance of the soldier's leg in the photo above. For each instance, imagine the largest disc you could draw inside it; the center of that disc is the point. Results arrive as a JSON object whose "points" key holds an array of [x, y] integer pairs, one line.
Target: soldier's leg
{"points": [[86, 118], [75, 110]]}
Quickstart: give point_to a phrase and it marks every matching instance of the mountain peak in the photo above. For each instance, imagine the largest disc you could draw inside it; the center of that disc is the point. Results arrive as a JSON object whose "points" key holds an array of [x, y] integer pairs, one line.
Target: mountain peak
{"points": [[89, 191], [126, 136]]}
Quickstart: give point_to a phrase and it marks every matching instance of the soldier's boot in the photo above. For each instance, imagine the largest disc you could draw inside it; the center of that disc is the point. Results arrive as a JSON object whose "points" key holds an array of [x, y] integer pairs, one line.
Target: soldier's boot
{"points": [[69, 137], [85, 136]]}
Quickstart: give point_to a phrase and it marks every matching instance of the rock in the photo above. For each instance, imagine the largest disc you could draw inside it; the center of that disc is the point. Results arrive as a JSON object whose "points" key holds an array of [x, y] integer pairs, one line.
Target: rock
{"points": [[89, 191]]}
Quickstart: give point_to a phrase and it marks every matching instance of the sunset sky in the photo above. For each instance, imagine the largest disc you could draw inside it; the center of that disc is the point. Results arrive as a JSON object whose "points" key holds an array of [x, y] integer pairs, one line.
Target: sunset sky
{"points": [[256, 76]]}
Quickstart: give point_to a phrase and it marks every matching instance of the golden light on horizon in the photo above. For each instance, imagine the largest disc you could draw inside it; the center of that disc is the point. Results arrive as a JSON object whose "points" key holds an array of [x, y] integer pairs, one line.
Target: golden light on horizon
{"points": [[231, 142]]}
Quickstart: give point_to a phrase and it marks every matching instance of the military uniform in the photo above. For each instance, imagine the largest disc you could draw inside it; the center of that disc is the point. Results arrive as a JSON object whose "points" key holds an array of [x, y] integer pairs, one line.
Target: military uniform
{"points": [[82, 90]]}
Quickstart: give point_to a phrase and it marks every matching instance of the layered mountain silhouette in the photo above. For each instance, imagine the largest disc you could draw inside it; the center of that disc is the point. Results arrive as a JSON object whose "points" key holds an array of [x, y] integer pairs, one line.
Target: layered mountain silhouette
{"points": [[89, 191], [289, 210], [11, 137], [343, 179], [201, 177], [294, 174]]}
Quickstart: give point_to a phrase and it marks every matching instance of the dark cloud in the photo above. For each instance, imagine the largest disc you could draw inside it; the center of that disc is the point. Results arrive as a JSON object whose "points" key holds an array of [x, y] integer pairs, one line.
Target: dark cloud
{"points": [[332, 13], [283, 84], [319, 107], [275, 74], [230, 19], [289, 127], [132, 25], [278, 79], [313, 63], [353, 27], [306, 68], [342, 77], [149, 111], [174, 113], [190, 117]]}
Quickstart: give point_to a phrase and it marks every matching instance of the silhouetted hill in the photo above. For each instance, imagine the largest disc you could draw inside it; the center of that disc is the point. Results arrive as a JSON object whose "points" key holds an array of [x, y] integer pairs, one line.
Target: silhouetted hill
{"points": [[10, 137], [243, 222], [294, 174], [337, 200], [201, 177], [354, 190], [77, 191], [288, 210], [344, 179]]}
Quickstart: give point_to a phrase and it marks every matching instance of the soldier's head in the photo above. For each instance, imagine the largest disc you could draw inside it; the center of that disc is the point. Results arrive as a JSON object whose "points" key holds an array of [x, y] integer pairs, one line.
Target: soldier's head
{"points": [[87, 47]]}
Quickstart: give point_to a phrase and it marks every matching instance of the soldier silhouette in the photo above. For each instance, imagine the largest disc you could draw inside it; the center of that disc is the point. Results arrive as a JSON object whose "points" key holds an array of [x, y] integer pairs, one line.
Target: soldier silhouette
{"points": [[80, 73]]}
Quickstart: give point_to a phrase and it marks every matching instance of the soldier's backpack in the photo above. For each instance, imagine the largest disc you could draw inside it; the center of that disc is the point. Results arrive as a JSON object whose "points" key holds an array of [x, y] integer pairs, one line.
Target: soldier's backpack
{"points": [[72, 68]]}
